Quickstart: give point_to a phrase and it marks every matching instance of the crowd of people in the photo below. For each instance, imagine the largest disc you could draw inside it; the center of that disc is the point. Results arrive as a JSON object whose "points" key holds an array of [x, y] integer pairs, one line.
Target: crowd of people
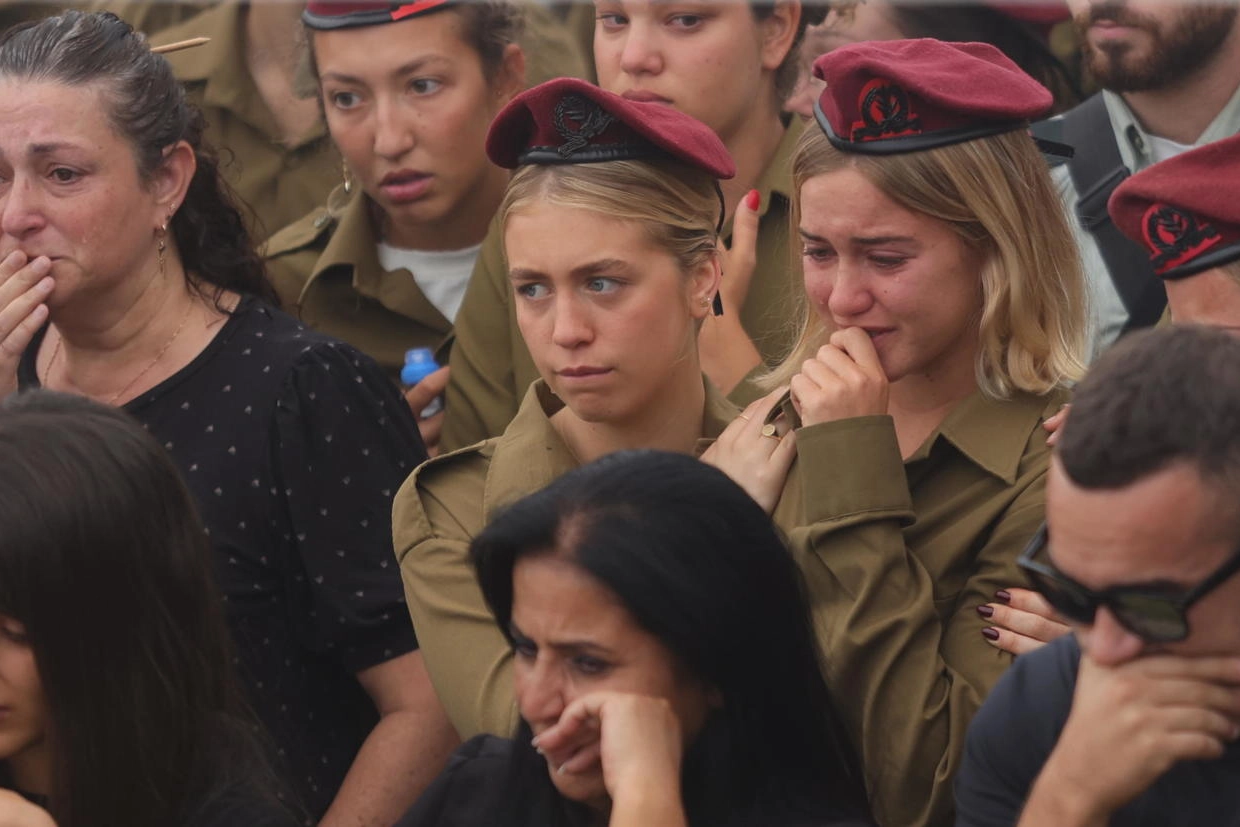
{"points": [[830, 416]]}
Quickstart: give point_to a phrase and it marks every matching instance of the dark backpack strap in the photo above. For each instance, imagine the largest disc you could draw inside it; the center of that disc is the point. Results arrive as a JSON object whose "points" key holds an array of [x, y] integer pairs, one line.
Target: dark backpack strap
{"points": [[1097, 169]]}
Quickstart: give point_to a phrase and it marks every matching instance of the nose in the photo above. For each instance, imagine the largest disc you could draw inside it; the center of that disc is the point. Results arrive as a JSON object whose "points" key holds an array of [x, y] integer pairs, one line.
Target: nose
{"points": [[540, 693], [641, 54], [20, 209], [571, 326], [394, 134], [848, 292], [1107, 641]]}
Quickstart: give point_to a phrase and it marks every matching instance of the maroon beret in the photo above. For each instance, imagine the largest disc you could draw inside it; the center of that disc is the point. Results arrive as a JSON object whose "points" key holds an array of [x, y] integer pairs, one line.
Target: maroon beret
{"points": [[348, 14], [892, 96], [570, 121], [1184, 210]]}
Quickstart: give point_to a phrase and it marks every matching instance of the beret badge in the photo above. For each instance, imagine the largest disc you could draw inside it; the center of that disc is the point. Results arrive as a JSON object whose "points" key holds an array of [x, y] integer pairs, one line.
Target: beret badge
{"points": [[1175, 236], [885, 113], [578, 120]]}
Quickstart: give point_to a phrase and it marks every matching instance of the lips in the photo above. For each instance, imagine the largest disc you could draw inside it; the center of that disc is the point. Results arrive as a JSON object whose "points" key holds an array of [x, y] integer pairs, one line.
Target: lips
{"points": [[643, 96], [582, 372], [405, 185]]}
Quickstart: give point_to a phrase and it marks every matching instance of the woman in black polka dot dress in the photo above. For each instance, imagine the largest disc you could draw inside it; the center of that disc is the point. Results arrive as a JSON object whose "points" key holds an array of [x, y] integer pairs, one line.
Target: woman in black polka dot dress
{"points": [[126, 275]]}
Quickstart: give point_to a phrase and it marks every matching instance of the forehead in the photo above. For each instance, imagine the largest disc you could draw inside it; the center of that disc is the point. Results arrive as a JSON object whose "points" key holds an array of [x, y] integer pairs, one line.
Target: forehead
{"points": [[553, 596], [870, 211], [381, 49], [1165, 526], [542, 236], [34, 114]]}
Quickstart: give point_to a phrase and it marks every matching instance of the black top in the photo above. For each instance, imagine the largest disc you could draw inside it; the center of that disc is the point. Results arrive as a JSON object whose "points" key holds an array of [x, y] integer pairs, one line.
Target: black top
{"points": [[293, 445], [1017, 727], [476, 790]]}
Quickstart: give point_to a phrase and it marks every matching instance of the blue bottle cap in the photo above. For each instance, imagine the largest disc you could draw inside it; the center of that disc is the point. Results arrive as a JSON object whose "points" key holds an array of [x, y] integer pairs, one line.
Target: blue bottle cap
{"points": [[419, 364]]}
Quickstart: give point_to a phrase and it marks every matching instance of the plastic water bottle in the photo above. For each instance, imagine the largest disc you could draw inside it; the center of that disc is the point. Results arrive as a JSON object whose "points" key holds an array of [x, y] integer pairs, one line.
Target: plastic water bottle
{"points": [[419, 364]]}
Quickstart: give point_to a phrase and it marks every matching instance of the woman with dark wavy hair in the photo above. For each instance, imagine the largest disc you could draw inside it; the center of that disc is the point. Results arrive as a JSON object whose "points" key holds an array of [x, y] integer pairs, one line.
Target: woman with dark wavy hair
{"points": [[666, 669], [127, 276], [118, 700]]}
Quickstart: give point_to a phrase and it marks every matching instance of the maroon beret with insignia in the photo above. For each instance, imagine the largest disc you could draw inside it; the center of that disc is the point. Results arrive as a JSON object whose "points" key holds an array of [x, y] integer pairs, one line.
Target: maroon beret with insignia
{"points": [[570, 121], [1183, 211], [894, 96], [347, 14]]}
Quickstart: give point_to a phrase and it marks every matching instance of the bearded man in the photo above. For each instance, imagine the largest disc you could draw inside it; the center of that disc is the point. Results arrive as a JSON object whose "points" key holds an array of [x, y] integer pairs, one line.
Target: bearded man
{"points": [[1170, 74]]}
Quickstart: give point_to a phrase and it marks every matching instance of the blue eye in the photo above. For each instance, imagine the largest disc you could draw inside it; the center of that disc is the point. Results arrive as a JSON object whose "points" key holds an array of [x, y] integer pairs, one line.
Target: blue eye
{"points": [[602, 286], [531, 290]]}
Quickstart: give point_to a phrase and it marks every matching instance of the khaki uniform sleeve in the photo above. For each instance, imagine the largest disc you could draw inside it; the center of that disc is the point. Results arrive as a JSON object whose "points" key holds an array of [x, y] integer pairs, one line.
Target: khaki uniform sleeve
{"points": [[482, 395], [907, 681], [469, 661]]}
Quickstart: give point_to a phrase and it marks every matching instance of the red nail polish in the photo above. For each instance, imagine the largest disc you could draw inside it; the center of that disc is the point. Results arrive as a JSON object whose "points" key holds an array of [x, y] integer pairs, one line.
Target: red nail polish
{"points": [[990, 634], [753, 199], [1003, 595], [985, 611]]}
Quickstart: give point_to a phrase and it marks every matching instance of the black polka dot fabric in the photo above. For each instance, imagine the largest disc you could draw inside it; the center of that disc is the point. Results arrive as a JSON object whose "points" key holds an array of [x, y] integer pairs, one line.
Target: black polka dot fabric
{"points": [[294, 445]]}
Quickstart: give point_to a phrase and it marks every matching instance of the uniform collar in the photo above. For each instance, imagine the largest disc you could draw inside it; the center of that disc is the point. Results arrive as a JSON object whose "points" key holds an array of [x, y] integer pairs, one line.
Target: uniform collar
{"points": [[221, 65], [354, 246], [992, 434], [776, 177], [1134, 141], [531, 452]]}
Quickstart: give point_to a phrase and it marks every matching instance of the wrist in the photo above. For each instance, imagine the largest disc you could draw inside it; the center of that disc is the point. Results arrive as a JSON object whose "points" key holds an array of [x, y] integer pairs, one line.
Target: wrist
{"points": [[646, 804], [1057, 800]]}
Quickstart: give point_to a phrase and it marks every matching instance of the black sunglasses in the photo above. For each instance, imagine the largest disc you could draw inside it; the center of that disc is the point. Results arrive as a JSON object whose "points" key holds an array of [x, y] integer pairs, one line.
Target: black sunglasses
{"points": [[1153, 616]]}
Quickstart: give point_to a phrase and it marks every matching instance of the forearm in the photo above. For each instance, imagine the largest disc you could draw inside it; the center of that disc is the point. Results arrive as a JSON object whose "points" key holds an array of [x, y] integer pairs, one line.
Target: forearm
{"points": [[404, 752]]}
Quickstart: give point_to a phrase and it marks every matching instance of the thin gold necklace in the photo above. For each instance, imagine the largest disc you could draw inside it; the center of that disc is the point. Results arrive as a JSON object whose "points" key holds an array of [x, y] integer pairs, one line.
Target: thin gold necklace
{"points": [[112, 400]]}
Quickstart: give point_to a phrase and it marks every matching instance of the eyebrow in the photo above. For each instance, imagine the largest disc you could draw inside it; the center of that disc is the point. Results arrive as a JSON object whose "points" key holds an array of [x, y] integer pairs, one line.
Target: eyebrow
{"points": [[405, 69], [860, 241], [593, 268], [563, 645], [48, 148]]}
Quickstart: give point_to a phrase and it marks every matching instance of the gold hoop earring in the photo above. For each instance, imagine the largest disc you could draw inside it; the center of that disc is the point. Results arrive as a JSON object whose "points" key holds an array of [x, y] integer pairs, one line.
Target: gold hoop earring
{"points": [[348, 179]]}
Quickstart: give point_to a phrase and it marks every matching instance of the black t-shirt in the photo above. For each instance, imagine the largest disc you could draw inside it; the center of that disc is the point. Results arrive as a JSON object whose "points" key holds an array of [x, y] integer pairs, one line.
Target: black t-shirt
{"points": [[1017, 727], [293, 445]]}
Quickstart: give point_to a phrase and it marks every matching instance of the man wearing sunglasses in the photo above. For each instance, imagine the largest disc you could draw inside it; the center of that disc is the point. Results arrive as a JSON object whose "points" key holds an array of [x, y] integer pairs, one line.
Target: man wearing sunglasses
{"points": [[1133, 719]]}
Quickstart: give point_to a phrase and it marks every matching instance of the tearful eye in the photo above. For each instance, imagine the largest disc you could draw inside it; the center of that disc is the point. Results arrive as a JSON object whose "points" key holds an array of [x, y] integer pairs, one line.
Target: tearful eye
{"points": [[588, 665]]}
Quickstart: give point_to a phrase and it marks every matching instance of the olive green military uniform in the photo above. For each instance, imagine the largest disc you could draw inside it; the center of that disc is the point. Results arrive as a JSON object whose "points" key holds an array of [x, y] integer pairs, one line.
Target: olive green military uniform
{"points": [[491, 367], [150, 16], [326, 270], [439, 510], [552, 49], [898, 555], [12, 13], [280, 183]]}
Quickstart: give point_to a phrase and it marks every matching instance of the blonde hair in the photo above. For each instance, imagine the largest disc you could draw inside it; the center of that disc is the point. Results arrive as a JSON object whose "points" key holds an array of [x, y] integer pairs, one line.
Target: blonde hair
{"points": [[675, 205], [996, 193]]}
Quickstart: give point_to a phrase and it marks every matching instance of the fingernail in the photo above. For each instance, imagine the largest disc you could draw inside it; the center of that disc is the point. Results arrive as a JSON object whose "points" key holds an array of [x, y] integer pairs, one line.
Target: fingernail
{"points": [[1003, 595], [753, 199], [990, 634], [47, 284], [559, 770], [985, 611]]}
